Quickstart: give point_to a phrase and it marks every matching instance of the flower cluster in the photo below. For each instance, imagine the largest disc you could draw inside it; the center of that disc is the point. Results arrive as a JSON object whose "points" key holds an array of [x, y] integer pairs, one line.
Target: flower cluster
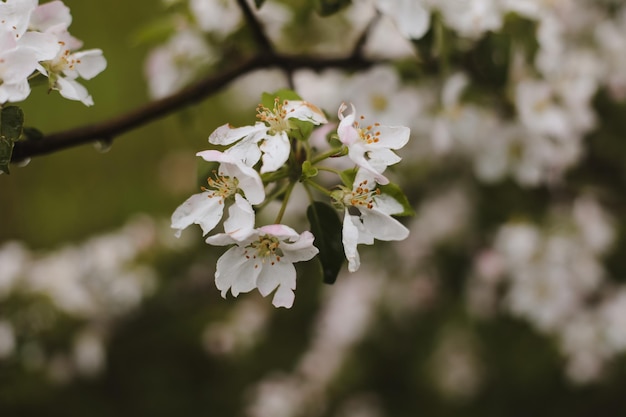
{"points": [[34, 40], [276, 149]]}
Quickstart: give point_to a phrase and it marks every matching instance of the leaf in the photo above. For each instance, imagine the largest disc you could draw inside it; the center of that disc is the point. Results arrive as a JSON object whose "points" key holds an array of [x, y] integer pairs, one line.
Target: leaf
{"points": [[347, 177], [259, 3], [6, 150], [326, 227], [267, 99], [396, 192], [330, 7], [11, 122], [11, 125]]}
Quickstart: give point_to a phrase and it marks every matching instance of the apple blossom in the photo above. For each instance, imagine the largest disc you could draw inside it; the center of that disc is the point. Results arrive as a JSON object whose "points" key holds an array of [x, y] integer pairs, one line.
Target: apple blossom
{"points": [[374, 220], [371, 147], [262, 258], [269, 136], [206, 208]]}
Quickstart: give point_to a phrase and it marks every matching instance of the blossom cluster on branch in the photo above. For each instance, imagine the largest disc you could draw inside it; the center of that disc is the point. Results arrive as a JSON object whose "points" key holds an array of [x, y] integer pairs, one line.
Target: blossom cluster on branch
{"points": [[276, 152]]}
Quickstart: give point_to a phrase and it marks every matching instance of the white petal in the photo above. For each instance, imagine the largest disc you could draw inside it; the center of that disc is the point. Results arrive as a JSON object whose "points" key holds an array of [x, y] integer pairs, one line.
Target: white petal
{"points": [[300, 250], [382, 226], [276, 149], [198, 209], [92, 63], [72, 90], [240, 222], [235, 272], [226, 134], [303, 110], [350, 237]]}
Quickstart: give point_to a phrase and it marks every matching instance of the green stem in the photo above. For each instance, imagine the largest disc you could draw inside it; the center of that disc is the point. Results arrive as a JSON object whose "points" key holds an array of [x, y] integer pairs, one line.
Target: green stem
{"points": [[327, 169], [318, 187], [335, 151], [275, 176], [283, 207]]}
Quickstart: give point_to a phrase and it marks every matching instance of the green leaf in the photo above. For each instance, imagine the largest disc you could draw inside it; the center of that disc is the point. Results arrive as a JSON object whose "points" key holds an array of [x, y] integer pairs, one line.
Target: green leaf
{"points": [[259, 3], [330, 7], [396, 192], [11, 125], [326, 227], [300, 129], [11, 122], [267, 99], [347, 177], [6, 150], [308, 171]]}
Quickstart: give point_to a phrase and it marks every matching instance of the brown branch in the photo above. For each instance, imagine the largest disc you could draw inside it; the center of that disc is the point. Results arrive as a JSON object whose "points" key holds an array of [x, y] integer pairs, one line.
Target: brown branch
{"points": [[108, 130], [258, 33]]}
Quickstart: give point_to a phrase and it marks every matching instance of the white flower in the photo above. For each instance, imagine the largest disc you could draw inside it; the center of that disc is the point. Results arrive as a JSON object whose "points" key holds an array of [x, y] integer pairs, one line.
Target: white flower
{"points": [[173, 65], [374, 220], [411, 16], [269, 136], [20, 50], [262, 258], [371, 147], [67, 66], [206, 208]]}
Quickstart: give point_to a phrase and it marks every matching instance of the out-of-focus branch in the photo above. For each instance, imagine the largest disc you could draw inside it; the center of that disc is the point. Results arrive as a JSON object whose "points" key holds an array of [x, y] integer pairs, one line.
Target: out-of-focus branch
{"points": [[108, 130], [258, 33]]}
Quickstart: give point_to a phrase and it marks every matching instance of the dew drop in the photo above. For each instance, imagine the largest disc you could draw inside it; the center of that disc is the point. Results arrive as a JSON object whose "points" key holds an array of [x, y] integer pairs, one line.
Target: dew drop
{"points": [[23, 162], [103, 146]]}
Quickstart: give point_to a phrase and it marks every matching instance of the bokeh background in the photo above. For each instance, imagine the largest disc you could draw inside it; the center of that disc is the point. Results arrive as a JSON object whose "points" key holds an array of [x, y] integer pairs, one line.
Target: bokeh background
{"points": [[126, 320]]}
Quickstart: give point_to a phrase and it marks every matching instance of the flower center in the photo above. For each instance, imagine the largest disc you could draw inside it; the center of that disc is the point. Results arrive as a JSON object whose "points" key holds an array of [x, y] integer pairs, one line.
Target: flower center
{"points": [[361, 196], [221, 186], [275, 118], [369, 134], [266, 248], [65, 61]]}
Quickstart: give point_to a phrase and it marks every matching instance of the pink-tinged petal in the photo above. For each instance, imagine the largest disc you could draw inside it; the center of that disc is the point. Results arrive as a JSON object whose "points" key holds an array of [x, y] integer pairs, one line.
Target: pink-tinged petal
{"points": [[382, 226], [276, 149], [300, 250], [240, 222], [51, 15], [303, 110], [346, 131], [226, 134], [235, 272], [198, 209], [280, 231]]}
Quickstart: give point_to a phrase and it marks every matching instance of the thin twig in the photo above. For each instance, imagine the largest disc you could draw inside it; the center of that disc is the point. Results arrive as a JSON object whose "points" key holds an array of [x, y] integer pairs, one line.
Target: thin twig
{"points": [[108, 130]]}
